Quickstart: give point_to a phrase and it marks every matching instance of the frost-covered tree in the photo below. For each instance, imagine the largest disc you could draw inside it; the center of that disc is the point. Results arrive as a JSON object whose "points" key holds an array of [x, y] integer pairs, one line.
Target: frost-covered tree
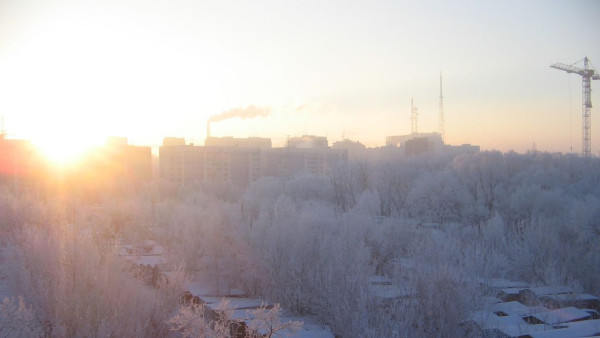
{"points": [[17, 319], [190, 321], [266, 322]]}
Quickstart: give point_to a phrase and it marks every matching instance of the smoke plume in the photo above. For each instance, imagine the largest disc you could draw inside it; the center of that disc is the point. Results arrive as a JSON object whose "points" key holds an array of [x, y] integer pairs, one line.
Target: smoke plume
{"points": [[249, 112]]}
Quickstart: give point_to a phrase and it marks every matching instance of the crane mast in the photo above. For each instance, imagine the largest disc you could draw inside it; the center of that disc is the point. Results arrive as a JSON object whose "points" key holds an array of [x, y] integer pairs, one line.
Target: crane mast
{"points": [[587, 74]]}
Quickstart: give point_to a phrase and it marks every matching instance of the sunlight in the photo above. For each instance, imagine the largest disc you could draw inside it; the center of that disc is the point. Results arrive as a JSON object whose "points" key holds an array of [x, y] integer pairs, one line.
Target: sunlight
{"points": [[64, 150]]}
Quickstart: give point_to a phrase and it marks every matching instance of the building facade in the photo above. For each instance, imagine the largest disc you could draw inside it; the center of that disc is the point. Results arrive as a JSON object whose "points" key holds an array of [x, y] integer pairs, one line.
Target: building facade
{"points": [[241, 161]]}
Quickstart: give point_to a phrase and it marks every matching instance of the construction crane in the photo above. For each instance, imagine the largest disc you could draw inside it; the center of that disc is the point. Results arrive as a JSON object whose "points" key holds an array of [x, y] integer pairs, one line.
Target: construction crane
{"points": [[587, 74]]}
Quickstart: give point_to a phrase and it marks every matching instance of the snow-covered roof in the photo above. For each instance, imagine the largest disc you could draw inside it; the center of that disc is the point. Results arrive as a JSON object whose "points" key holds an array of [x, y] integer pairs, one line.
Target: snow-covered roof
{"points": [[235, 303], [515, 319], [489, 301], [564, 315], [242, 311], [551, 290], [575, 329], [516, 309], [512, 326], [520, 330]]}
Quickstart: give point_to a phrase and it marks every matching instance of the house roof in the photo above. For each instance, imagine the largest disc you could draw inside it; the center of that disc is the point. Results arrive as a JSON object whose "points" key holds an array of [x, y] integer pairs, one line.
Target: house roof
{"points": [[576, 329], [515, 319], [516, 309], [242, 311], [511, 325], [567, 314]]}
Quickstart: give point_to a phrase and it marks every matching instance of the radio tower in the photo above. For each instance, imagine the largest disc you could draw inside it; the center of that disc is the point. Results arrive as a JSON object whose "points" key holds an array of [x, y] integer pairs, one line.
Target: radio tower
{"points": [[441, 122], [414, 114], [587, 73]]}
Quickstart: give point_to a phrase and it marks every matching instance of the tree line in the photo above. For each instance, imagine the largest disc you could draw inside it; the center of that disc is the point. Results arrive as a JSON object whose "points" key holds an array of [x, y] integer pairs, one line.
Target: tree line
{"points": [[435, 225]]}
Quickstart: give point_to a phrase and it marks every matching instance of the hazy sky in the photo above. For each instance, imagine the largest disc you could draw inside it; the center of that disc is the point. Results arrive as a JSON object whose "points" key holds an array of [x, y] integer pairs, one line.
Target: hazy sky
{"points": [[78, 71]]}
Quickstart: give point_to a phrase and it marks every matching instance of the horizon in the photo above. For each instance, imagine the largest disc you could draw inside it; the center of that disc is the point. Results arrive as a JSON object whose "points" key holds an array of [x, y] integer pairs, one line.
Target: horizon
{"points": [[73, 158]]}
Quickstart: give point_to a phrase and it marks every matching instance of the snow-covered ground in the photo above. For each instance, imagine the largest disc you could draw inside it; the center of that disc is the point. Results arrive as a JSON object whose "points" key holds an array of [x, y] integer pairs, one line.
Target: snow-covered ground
{"points": [[242, 311]]}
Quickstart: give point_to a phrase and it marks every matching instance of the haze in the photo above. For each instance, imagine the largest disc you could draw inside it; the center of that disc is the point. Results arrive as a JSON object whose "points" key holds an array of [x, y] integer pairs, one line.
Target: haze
{"points": [[78, 71], [251, 169]]}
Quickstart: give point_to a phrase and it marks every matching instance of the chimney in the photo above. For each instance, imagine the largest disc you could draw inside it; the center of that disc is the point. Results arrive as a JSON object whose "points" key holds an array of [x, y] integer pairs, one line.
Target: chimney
{"points": [[207, 129]]}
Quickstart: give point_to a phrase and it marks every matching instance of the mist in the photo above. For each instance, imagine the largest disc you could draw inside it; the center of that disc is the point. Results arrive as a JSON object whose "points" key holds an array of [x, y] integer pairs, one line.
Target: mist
{"points": [[379, 169], [435, 229]]}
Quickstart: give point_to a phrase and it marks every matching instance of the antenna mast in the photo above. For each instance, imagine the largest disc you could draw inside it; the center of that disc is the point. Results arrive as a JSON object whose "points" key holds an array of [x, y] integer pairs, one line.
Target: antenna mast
{"points": [[441, 122], [414, 114]]}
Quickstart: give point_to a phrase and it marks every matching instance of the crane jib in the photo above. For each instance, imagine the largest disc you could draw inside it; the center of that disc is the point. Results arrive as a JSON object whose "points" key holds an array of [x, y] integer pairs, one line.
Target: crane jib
{"points": [[587, 73]]}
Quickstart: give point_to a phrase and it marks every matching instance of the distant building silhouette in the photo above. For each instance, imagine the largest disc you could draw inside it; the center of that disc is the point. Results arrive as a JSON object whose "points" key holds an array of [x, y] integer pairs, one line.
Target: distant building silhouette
{"points": [[356, 150], [242, 161], [20, 164], [308, 153], [434, 139], [418, 146], [131, 162], [114, 164], [424, 143], [308, 142], [233, 142], [463, 149]]}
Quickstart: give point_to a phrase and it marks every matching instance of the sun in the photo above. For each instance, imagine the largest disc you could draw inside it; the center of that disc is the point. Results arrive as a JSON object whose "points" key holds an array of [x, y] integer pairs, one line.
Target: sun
{"points": [[63, 151]]}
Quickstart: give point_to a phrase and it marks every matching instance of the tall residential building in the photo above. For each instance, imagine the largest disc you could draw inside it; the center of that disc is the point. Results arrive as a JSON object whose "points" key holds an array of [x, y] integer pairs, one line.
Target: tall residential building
{"points": [[239, 161], [242, 161], [308, 153], [180, 163]]}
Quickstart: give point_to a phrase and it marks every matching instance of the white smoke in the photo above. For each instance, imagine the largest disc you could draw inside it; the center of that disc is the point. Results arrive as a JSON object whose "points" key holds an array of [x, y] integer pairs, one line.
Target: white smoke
{"points": [[248, 112]]}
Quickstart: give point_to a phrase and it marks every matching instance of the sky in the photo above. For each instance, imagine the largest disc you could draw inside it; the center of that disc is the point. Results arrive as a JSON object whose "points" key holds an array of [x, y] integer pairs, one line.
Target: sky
{"points": [[75, 72]]}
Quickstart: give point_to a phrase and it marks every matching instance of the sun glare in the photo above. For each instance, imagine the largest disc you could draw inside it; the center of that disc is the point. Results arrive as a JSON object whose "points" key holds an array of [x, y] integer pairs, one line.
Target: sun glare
{"points": [[62, 152]]}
